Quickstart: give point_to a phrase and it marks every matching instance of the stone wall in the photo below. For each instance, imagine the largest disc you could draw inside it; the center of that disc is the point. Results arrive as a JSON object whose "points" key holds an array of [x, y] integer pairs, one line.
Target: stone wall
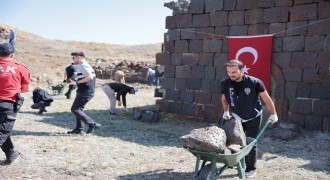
{"points": [[195, 50]]}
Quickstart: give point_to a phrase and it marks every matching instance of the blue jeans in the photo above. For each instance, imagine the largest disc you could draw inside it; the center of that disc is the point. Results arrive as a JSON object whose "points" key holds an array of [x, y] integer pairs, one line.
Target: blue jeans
{"points": [[151, 79]]}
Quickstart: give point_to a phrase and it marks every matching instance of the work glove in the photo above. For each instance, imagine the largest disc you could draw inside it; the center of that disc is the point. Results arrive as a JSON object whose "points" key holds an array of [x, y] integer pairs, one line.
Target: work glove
{"points": [[226, 115], [119, 103], [273, 118], [64, 81]]}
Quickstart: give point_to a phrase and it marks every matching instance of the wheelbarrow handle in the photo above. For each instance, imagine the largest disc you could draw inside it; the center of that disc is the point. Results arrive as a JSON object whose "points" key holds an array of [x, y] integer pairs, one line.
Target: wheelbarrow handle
{"points": [[263, 129]]}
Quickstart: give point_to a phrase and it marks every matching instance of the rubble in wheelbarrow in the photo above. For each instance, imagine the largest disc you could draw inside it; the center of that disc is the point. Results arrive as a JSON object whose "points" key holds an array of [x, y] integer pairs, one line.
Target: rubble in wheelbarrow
{"points": [[227, 139], [208, 139]]}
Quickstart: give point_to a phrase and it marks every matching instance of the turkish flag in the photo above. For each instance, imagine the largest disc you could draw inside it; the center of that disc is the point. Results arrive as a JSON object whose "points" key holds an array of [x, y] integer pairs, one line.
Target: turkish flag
{"points": [[255, 54]]}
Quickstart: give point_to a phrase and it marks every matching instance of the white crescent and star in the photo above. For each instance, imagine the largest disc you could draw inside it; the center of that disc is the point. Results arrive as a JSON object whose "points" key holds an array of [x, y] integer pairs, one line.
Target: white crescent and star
{"points": [[250, 50]]}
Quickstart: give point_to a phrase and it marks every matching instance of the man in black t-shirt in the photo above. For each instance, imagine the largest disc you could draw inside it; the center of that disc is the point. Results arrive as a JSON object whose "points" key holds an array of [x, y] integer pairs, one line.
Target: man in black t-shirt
{"points": [[240, 97]]}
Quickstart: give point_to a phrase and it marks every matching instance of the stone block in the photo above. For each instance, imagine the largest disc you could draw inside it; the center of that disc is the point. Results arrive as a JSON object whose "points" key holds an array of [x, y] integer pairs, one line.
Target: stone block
{"points": [[283, 60], [173, 34], [193, 84], [189, 59], [297, 119], [327, 43], [189, 109], [221, 32], [195, 46], [201, 20], [301, 106], [234, 132], [292, 29], [211, 113], [291, 90], [321, 91], [276, 15], [163, 58], [236, 18], [303, 90], [303, 12], [225, 46], [212, 45], [216, 99], [277, 44], [323, 10], [181, 46], [162, 105], [324, 59], [183, 72], [176, 59], [169, 46], [238, 30], [169, 71], [187, 96], [175, 107], [167, 83], [254, 16], [215, 86], [229, 5], [220, 73], [188, 33], [318, 27], [213, 5], [321, 107], [170, 22], [173, 95], [326, 124], [304, 2], [246, 4], [278, 29], [180, 84], [183, 21], [202, 97], [205, 33], [315, 43], [256, 29], [206, 59], [265, 3], [313, 123], [293, 43], [220, 59], [209, 72], [310, 75], [197, 72], [304, 59], [219, 18], [293, 74], [206, 85], [196, 6], [287, 3]]}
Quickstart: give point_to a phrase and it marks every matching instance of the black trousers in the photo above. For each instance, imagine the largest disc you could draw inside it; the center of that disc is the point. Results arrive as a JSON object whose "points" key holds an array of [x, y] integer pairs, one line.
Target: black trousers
{"points": [[71, 88], [78, 110], [7, 121], [251, 129]]}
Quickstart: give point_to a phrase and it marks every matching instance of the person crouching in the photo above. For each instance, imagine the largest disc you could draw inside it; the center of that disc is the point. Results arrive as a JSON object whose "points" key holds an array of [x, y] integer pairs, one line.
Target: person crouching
{"points": [[41, 99]]}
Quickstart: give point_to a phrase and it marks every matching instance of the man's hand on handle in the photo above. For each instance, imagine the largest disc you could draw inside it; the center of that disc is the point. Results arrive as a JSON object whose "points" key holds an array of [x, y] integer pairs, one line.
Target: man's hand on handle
{"points": [[273, 118]]}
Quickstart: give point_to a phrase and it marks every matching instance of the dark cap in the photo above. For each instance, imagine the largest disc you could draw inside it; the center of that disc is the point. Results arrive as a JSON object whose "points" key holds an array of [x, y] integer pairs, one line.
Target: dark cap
{"points": [[6, 49], [78, 53]]}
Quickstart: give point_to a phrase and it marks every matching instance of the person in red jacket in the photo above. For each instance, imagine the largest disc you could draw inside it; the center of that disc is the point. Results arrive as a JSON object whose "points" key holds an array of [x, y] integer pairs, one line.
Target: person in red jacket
{"points": [[15, 79]]}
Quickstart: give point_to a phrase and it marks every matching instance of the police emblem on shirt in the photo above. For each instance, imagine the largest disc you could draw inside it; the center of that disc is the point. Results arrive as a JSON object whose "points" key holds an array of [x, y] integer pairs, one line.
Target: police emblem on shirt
{"points": [[247, 91]]}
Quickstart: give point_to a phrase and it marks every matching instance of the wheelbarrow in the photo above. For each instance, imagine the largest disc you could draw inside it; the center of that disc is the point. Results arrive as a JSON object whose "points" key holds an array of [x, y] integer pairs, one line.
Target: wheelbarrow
{"points": [[58, 89], [237, 160]]}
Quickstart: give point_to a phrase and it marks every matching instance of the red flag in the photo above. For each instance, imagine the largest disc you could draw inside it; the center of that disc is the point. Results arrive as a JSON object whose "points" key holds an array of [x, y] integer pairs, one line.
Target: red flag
{"points": [[255, 54]]}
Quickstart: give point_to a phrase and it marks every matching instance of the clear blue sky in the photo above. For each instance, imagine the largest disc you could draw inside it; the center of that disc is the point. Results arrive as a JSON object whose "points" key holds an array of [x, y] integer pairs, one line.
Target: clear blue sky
{"points": [[127, 22]]}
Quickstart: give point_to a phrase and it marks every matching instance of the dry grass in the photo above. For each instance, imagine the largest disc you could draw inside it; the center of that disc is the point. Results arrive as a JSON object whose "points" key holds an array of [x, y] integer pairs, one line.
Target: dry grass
{"points": [[127, 149]]}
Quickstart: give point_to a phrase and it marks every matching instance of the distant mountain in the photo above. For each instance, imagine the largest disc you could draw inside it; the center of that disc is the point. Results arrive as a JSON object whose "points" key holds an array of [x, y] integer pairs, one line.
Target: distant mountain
{"points": [[47, 59]]}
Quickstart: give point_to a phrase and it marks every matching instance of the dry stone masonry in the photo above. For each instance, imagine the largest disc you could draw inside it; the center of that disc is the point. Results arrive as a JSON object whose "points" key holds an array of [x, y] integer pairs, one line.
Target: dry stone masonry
{"points": [[195, 49]]}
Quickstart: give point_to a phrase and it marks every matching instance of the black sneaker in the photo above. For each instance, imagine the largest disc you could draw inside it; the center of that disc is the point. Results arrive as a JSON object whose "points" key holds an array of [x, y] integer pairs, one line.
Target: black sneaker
{"points": [[92, 128], [76, 131], [10, 158], [111, 113]]}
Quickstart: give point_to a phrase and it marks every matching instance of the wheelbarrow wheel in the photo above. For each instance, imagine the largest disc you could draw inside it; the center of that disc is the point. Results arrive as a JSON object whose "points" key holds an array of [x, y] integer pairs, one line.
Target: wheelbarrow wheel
{"points": [[205, 172]]}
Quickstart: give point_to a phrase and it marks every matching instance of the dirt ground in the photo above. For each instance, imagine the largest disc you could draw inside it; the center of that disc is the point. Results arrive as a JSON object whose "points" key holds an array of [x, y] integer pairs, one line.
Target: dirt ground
{"points": [[127, 149]]}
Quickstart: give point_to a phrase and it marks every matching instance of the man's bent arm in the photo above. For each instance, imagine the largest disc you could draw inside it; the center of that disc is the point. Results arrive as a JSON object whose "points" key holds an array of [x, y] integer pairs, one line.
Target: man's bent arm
{"points": [[224, 103], [25, 88], [268, 101]]}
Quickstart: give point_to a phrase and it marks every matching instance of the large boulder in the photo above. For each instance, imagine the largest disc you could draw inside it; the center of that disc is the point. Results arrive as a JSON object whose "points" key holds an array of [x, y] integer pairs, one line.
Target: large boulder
{"points": [[208, 139], [235, 133]]}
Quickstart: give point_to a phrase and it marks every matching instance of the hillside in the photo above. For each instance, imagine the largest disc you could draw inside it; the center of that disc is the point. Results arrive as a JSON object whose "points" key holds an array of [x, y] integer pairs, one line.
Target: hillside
{"points": [[48, 58]]}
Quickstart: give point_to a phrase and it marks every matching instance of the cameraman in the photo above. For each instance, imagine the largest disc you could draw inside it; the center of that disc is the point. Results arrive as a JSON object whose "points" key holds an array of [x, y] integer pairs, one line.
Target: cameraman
{"points": [[14, 79]]}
